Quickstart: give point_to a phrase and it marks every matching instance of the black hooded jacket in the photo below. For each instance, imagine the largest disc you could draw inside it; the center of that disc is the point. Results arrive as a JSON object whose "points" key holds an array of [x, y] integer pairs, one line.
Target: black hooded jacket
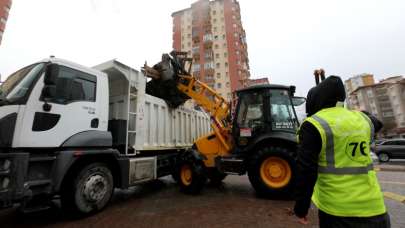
{"points": [[325, 95]]}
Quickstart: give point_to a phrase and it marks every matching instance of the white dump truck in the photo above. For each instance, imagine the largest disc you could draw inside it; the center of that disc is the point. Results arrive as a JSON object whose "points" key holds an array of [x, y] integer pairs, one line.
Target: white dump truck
{"points": [[77, 133]]}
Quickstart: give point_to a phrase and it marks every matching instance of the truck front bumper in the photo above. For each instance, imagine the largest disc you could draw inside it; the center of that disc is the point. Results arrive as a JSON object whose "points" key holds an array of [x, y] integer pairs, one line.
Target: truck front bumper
{"points": [[13, 170]]}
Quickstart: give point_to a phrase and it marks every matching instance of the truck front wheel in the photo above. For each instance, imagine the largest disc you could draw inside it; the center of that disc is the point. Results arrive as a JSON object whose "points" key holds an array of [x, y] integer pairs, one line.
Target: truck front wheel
{"points": [[88, 190], [271, 172]]}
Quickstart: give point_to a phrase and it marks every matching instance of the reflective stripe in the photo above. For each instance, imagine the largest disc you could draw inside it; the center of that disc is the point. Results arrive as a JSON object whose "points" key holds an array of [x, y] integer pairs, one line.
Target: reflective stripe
{"points": [[346, 170], [330, 156], [330, 153], [371, 126]]}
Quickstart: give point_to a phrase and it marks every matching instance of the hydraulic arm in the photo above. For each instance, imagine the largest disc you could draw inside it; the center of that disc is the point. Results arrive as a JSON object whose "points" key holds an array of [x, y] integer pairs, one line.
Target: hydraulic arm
{"points": [[201, 93]]}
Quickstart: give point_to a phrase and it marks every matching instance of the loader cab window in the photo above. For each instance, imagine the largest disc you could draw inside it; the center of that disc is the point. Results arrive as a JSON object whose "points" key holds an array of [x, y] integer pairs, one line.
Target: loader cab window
{"points": [[282, 111], [73, 85], [250, 113]]}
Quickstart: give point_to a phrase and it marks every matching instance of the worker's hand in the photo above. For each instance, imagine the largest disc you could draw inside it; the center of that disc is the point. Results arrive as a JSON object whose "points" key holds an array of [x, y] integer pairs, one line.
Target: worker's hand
{"points": [[302, 221]]}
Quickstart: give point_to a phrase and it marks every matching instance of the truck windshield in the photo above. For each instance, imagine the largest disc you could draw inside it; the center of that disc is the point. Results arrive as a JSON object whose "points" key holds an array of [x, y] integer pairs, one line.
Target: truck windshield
{"points": [[282, 111], [18, 84]]}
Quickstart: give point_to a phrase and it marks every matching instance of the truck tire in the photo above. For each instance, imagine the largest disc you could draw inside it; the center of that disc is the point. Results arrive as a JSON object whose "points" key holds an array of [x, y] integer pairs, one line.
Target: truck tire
{"points": [[215, 176], [191, 177], [88, 190], [271, 172]]}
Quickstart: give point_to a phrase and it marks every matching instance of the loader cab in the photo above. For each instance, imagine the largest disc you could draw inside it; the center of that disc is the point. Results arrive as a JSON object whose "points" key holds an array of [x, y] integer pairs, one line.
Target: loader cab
{"points": [[263, 109]]}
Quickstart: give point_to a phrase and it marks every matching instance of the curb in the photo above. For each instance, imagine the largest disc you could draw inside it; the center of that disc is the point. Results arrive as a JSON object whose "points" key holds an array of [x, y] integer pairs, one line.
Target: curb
{"points": [[390, 169], [395, 196]]}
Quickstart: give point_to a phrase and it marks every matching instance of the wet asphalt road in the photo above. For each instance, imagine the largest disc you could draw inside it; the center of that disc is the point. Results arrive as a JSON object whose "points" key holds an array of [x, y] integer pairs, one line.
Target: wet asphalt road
{"points": [[160, 204]]}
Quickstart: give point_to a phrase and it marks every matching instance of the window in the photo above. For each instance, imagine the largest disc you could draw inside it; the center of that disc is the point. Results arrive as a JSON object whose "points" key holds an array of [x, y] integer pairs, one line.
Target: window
{"points": [[216, 37], [214, 12], [227, 84], [73, 85], [218, 65], [215, 29], [196, 67], [281, 110], [215, 20], [226, 64], [189, 35], [223, 36], [250, 114], [218, 75], [224, 45], [209, 65], [216, 46], [19, 83], [219, 85], [216, 55], [225, 54]]}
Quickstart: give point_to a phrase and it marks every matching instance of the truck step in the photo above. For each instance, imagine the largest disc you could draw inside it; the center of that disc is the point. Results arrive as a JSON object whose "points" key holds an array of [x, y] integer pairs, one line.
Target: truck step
{"points": [[231, 165], [39, 159], [38, 182]]}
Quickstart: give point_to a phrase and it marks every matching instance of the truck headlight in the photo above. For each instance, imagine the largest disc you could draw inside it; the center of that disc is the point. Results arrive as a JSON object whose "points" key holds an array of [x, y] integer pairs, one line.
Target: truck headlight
{"points": [[5, 183], [6, 164]]}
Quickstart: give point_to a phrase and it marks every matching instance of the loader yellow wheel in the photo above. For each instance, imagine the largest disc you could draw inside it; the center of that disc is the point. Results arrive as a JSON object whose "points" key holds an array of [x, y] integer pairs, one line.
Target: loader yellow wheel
{"points": [[186, 175], [275, 172]]}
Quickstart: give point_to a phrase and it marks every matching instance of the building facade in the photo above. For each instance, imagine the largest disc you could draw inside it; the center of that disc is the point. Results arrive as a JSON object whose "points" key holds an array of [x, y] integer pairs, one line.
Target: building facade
{"points": [[5, 6], [212, 33], [258, 81], [355, 82], [386, 101]]}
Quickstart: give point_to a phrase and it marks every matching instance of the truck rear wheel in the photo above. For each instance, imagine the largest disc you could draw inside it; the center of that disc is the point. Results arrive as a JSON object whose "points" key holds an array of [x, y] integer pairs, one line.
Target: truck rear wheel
{"points": [[271, 172], [88, 190], [191, 177]]}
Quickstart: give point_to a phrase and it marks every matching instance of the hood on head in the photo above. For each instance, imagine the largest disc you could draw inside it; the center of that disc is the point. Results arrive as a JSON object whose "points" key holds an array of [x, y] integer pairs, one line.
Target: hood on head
{"points": [[325, 95]]}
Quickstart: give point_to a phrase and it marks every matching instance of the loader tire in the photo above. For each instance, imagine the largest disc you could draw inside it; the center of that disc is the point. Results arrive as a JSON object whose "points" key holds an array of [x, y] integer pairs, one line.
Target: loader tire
{"points": [[191, 176], [87, 190], [271, 172]]}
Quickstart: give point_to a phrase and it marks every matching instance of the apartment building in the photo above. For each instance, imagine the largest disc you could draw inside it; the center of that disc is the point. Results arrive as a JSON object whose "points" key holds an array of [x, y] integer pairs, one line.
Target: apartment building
{"points": [[386, 101], [5, 6], [355, 82], [258, 81], [212, 33]]}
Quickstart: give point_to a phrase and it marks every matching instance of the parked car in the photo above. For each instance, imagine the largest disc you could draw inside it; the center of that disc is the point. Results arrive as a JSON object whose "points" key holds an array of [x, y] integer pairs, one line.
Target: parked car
{"points": [[390, 149]]}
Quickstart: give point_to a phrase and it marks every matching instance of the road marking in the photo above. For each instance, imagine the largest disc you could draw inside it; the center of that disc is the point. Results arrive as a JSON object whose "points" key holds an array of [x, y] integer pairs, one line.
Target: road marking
{"points": [[377, 169], [395, 196], [392, 182]]}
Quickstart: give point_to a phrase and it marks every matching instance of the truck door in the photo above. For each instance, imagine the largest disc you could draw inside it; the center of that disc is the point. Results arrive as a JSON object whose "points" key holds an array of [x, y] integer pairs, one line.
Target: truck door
{"points": [[73, 109]]}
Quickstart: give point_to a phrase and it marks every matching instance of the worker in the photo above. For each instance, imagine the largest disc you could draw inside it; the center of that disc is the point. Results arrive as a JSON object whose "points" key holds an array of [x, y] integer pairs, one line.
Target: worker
{"points": [[334, 162]]}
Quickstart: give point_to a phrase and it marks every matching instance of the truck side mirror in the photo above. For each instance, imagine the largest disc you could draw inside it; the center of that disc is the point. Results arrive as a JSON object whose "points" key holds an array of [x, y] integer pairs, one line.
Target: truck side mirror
{"points": [[48, 92], [297, 101], [51, 74]]}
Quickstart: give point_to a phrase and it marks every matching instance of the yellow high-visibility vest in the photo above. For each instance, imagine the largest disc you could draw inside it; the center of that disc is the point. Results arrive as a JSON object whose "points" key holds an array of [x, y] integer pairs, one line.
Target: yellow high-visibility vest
{"points": [[347, 183]]}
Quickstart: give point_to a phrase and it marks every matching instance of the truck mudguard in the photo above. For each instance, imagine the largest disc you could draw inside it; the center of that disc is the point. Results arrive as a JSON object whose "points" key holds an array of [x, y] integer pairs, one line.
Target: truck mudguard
{"points": [[89, 139]]}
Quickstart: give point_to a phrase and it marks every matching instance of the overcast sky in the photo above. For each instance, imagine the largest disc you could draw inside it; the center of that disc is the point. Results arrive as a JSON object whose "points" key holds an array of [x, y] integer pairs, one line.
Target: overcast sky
{"points": [[286, 39]]}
